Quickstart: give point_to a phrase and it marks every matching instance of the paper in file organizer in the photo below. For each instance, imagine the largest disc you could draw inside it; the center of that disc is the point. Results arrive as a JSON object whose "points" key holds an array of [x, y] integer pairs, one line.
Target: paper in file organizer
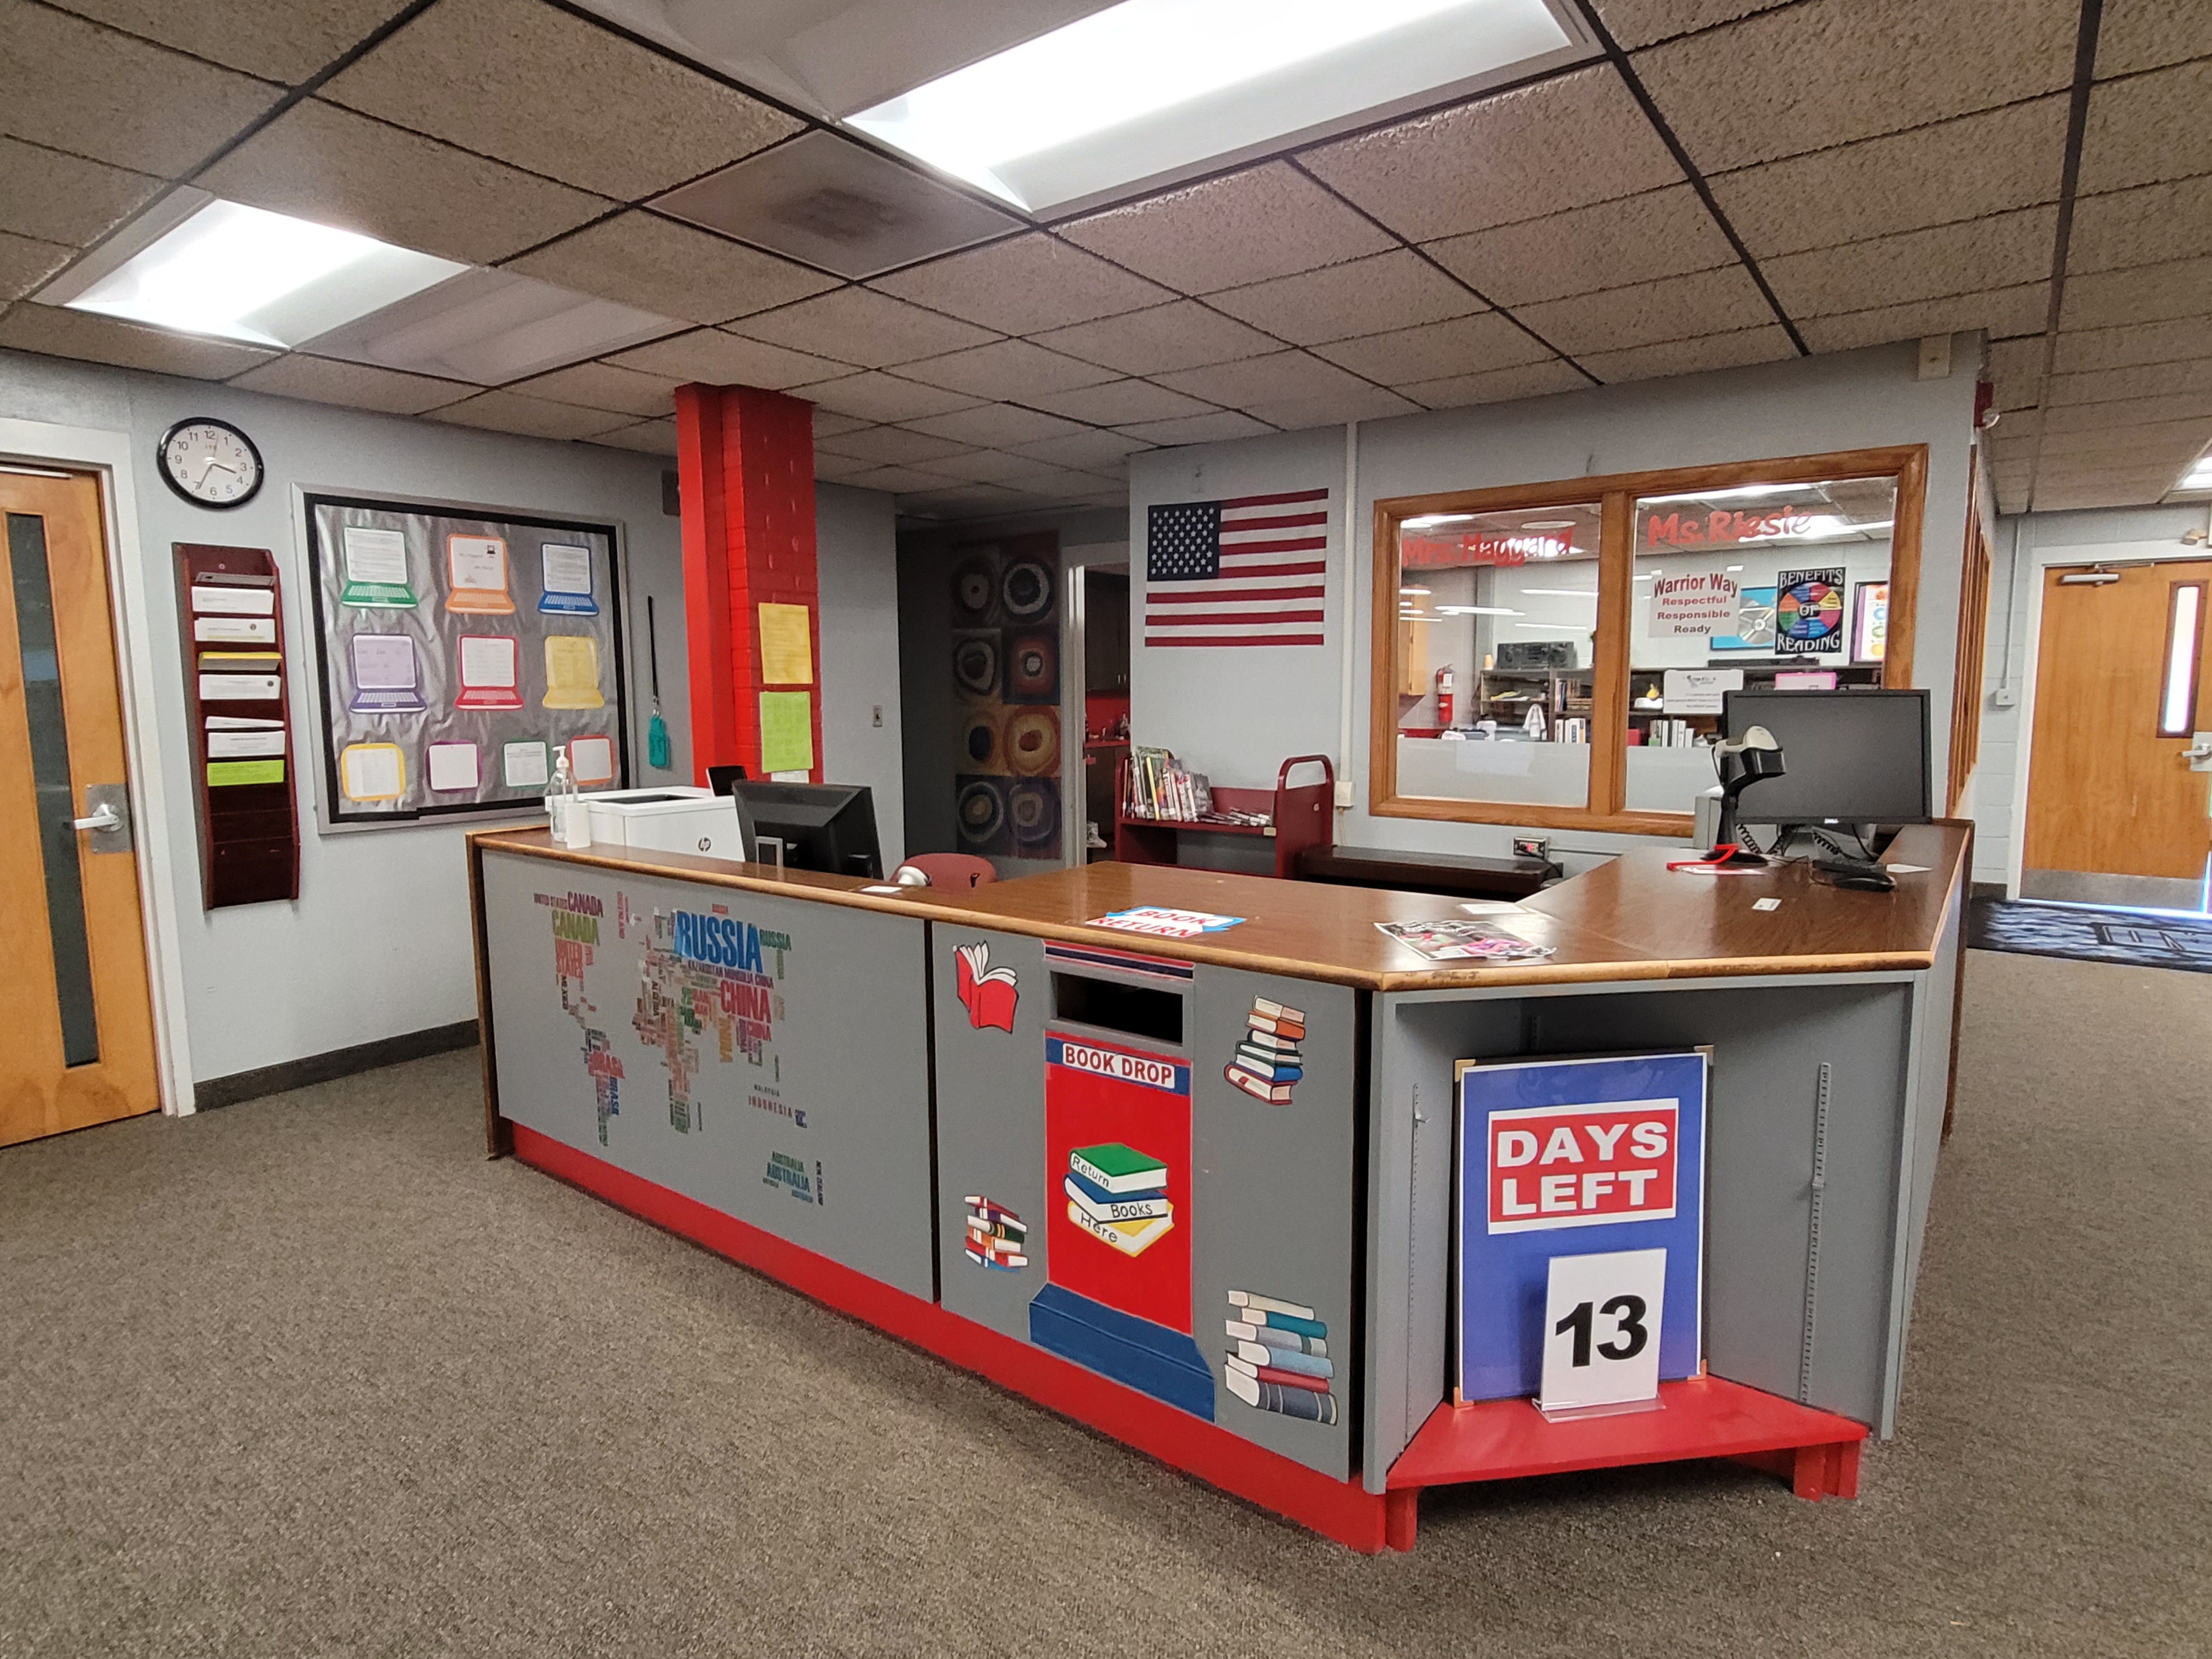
{"points": [[476, 575], [209, 600], [375, 563], [491, 671], [567, 579], [386, 677], [572, 671]]}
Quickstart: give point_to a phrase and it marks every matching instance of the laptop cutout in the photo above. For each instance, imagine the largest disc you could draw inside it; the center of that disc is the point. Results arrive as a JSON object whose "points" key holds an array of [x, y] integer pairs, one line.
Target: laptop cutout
{"points": [[491, 671], [386, 678]]}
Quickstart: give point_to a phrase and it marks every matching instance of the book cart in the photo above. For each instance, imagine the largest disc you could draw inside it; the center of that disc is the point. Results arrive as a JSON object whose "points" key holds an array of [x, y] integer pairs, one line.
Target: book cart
{"points": [[1295, 818], [1199, 1192]]}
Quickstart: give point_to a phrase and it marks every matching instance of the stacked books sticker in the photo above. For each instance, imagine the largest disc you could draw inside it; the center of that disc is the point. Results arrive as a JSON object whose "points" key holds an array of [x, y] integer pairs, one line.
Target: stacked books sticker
{"points": [[996, 1236], [1278, 1358], [1119, 1196], [1267, 1061]]}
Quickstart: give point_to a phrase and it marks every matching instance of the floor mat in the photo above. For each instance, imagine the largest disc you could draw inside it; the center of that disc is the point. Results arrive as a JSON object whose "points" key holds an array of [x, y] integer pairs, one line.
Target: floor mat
{"points": [[2140, 938]]}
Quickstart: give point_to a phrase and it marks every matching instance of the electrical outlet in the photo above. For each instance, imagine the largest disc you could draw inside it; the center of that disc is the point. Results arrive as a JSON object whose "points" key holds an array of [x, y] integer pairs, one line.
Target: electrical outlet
{"points": [[879, 714], [1344, 792], [2005, 698], [1532, 847]]}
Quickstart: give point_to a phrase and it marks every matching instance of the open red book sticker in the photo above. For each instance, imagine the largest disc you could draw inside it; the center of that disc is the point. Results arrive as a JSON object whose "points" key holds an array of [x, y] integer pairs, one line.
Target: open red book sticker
{"points": [[987, 992]]}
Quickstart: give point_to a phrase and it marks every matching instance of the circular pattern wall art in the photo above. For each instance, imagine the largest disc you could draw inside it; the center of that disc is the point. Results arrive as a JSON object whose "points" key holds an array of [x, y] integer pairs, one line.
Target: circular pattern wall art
{"points": [[1032, 742], [1026, 592]]}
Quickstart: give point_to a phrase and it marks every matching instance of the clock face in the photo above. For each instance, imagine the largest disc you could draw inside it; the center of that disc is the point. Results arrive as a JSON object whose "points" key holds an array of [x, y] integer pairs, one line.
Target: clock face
{"points": [[211, 463]]}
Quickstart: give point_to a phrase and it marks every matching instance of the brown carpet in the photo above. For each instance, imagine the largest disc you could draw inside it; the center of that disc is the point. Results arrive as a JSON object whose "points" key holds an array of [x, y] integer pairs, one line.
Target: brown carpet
{"points": [[308, 1375]]}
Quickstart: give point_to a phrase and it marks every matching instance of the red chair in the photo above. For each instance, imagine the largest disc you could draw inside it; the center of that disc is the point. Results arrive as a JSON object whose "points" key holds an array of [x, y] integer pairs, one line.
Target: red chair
{"points": [[952, 869]]}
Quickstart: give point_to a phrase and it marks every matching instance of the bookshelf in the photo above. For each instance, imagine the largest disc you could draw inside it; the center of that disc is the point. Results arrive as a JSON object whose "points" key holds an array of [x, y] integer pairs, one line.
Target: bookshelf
{"points": [[1297, 817]]}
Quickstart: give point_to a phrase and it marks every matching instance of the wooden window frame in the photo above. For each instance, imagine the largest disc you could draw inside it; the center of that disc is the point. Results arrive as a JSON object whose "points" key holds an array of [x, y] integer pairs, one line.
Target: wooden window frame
{"points": [[1968, 661], [1616, 493]]}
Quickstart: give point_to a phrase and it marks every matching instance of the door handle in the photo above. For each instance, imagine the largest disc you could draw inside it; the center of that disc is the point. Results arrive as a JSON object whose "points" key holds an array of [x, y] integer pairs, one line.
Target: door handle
{"points": [[104, 818], [106, 824]]}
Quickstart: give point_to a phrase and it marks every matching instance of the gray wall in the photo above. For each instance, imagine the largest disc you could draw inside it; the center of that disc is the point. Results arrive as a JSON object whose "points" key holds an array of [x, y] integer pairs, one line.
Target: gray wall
{"points": [[1237, 714], [857, 562], [378, 942]]}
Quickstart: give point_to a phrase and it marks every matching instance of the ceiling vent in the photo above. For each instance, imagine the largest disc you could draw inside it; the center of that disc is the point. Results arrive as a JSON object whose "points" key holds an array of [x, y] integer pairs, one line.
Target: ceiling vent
{"points": [[842, 209]]}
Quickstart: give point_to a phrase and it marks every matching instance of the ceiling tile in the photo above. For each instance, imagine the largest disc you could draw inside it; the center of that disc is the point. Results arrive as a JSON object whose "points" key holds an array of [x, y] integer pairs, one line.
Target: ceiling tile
{"points": [[2190, 376], [1084, 449], [2147, 129], [1365, 403], [840, 469], [1636, 23], [1184, 335], [829, 424], [1672, 308], [1024, 285], [1998, 251], [356, 385], [75, 86], [1243, 228], [652, 437], [2000, 312], [859, 327], [717, 358], [2014, 441], [541, 89], [80, 334], [876, 397], [286, 40], [2142, 34], [1561, 143], [2127, 412], [1661, 233], [1499, 386], [642, 260], [1200, 428], [606, 386], [1464, 345], [1765, 345], [1285, 377], [979, 500], [899, 480], [1807, 76], [1398, 289], [1119, 403], [1985, 163], [2126, 445], [2137, 343], [339, 168], [891, 446], [991, 466], [25, 263], [531, 418], [2149, 226], [995, 426], [64, 198], [1007, 369], [2015, 370], [2147, 293]]}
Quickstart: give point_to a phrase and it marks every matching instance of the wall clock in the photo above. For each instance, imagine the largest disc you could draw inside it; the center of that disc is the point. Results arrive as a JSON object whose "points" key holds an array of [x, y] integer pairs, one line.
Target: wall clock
{"points": [[209, 463]]}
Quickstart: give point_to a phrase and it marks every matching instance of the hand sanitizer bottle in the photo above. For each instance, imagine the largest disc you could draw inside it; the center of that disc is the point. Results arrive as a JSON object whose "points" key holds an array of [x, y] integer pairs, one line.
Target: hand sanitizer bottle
{"points": [[565, 809]]}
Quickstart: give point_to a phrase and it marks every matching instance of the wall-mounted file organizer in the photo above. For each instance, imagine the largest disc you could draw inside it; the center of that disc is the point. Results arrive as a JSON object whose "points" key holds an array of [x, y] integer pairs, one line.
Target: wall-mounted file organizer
{"points": [[231, 610]]}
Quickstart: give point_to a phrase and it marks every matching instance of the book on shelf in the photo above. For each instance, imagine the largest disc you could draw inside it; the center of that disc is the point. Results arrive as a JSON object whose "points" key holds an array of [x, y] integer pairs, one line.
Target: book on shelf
{"points": [[1270, 1337], [1286, 1402], [1281, 1378], [1267, 1304], [1118, 1170], [1286, 1359]]}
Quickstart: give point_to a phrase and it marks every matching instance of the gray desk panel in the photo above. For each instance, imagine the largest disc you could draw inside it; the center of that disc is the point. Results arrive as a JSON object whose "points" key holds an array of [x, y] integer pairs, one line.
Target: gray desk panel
{"points": [[818, 1135]]}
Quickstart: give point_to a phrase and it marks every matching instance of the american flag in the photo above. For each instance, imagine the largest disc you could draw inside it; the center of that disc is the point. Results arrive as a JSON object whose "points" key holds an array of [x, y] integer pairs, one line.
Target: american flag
{"points": [[1250, 571]]}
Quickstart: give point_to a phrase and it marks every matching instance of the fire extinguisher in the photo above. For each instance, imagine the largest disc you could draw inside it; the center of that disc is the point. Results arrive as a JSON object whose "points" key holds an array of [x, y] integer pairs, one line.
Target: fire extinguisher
{"points": [[1444, 696]]}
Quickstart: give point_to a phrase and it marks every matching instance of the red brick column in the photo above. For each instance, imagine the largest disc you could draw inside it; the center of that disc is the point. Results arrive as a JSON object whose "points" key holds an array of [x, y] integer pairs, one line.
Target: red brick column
{"points": [[746, 467]]}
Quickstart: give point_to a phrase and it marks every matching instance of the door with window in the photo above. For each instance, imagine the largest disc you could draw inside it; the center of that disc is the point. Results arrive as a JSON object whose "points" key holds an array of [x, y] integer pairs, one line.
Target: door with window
{"points": [[80, 1048], [2119, 810]]}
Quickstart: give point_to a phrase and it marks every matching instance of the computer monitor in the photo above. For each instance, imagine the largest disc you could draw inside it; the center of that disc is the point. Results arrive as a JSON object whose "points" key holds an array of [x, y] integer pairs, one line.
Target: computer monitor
{"points": [[829, 827], [723, 779], [1855, 757]]}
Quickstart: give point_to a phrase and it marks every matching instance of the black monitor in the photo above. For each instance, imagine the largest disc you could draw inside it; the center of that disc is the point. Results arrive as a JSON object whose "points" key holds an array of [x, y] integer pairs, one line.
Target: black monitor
{"points": [[1855, 757], [829, 827], [723, 779]]}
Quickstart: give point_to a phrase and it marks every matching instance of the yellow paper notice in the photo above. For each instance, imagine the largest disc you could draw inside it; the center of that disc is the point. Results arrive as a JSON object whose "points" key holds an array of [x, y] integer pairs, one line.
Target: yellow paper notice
{"points": [[787, 654], [786, 732], [572, 671]]}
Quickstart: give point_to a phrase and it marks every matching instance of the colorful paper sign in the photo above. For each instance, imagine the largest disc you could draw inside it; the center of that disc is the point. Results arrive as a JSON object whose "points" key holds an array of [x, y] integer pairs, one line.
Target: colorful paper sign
{"points": [[491, 671], [373, 772], [566, 579], [1602, 1315], [591, 761], [787, 645], [375, 570], [476, 575], [526, 765], [787, 727], [1164, 923], [386, 677], [572, 671], [1696, 602], [452, 767], [1809, 611]]}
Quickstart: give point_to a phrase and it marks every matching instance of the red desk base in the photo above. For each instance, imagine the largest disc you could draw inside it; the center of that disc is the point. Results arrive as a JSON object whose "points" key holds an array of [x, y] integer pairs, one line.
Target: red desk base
{"points": [[1819, 1453]]}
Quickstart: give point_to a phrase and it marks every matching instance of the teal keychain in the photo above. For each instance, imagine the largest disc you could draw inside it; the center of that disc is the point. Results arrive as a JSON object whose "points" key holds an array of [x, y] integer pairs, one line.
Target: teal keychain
{"points": [[656, 729]]}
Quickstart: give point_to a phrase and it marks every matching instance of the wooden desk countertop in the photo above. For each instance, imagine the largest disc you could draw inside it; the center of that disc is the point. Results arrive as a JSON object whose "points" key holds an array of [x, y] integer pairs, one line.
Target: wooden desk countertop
{"points": [[1629, 919]]}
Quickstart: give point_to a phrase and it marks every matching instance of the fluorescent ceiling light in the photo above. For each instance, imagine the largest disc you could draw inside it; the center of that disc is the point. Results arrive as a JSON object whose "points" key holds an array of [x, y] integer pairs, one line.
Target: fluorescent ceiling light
{"points": [[1740, 493], [1403, 590], [1150, 87], [2198, 477], [201, 265], [1562, 593], [1477, 610], [489, 327]]}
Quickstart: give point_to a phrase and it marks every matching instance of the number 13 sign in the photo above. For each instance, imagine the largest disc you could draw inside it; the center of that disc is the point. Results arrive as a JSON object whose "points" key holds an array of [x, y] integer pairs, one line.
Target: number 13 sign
{"points": [[1602, 1315]]}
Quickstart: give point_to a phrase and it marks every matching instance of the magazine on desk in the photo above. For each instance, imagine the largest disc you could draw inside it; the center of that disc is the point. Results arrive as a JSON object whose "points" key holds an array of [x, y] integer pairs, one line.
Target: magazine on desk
{"points": [[1450, 939]]}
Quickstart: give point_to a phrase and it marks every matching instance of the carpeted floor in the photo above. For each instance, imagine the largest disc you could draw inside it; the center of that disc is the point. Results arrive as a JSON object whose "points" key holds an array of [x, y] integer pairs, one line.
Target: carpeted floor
{"points": [[308, 1375]]}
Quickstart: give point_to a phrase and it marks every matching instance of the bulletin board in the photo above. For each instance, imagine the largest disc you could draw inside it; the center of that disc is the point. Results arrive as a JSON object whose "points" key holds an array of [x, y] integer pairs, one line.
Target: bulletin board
{"points": [[459, 651]]}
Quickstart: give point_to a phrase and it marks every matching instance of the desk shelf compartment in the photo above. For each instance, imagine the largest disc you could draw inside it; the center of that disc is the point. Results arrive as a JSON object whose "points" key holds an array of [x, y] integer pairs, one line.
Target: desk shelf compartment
{"points": [[1297, 817]]}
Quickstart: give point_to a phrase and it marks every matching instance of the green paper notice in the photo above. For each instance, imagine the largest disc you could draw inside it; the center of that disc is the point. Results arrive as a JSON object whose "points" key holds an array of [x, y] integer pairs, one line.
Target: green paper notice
{"points": [[220, 773], [787, 730]]}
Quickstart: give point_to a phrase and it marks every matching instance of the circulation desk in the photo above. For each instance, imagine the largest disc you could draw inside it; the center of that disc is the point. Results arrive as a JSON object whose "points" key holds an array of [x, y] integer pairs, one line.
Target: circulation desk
{"points": [[1014, 1138]]}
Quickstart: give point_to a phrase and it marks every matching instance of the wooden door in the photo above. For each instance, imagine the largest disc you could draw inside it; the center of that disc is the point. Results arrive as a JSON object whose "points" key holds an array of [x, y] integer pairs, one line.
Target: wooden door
{"points": [[2109, 792], [80, 1025]]}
